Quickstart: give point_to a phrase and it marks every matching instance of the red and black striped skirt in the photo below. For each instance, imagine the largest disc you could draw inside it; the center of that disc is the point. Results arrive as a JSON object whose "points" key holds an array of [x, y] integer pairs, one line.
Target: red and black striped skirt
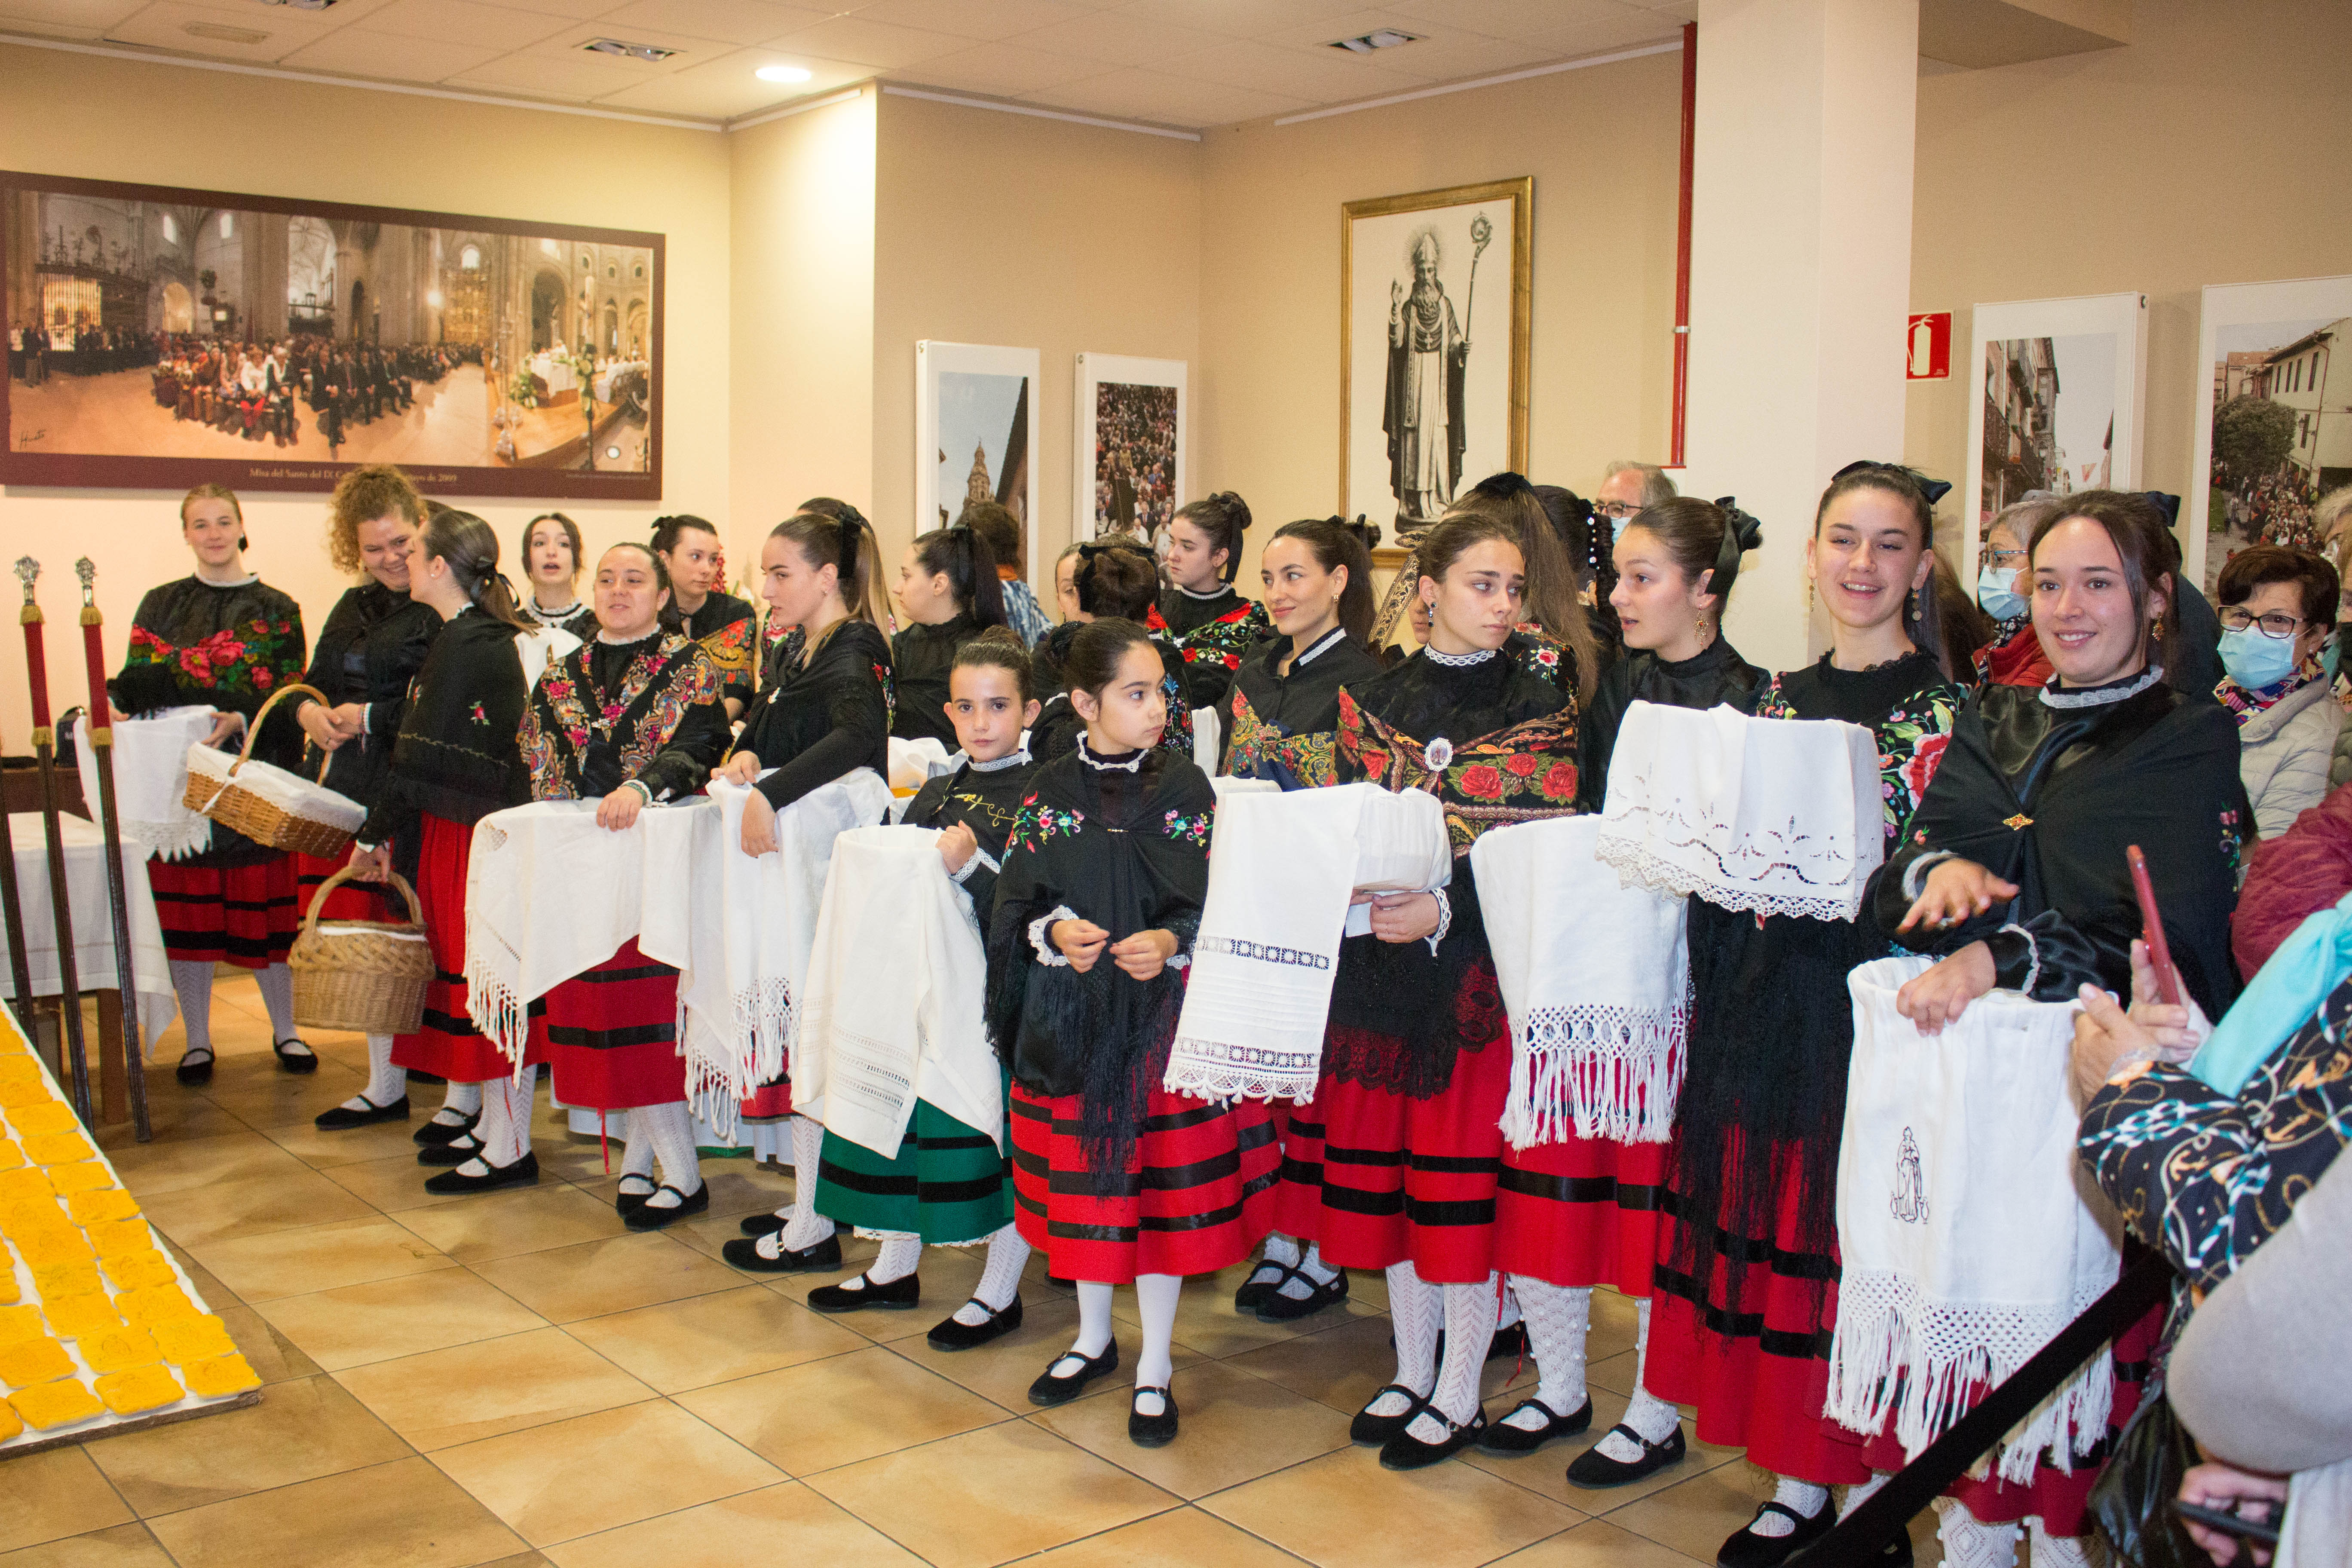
{"points": [[356, 901], [447, 1043], [769, 1102], [1199, 1194], [1581, 1211], [611, 1035], [244, 915]]}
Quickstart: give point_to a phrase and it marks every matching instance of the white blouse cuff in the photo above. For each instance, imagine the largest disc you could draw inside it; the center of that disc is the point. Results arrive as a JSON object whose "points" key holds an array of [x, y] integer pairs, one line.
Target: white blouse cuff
{"points": [[978, 859], [1046, 952], [1445, 917]]}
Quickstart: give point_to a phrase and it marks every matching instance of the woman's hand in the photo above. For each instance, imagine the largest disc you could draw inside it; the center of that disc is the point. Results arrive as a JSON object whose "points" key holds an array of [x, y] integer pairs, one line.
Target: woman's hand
{"points": [[1081, 941], [1143, 955], [1940, 995], [2106, 1039], [956, 845], [1405, 917], [350, 718], [618, 810], [224, 725], [319, 723], [371, 865], [759, 825], [2216, 1485], [2176, 1031], [1956, 890], [741, 769]]}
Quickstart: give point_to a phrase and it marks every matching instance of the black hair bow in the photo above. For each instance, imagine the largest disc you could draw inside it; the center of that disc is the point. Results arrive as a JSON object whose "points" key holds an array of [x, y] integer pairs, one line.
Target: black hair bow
{"points": [[1741, 532], [1934, 490]]}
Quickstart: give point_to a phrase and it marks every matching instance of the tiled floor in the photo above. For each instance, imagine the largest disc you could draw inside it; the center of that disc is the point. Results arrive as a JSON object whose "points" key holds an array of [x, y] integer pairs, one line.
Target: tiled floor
{"points": [[515, 1380]]}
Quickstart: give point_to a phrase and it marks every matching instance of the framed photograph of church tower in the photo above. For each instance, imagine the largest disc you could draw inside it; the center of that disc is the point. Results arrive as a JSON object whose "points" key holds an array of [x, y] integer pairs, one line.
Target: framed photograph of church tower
{"points": [[1433, 348], [976, 436]]}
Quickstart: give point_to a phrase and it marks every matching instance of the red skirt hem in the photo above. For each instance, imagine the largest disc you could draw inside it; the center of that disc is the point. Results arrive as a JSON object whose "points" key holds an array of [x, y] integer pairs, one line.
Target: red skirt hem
{"points": [[244, 915], [1581, 1211], [447, 1043], [610, 1036]]}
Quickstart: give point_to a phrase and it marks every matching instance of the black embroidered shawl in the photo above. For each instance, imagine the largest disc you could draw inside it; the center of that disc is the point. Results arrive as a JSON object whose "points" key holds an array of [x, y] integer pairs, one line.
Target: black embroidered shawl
{"points": [[601, 715], [457, 756]]}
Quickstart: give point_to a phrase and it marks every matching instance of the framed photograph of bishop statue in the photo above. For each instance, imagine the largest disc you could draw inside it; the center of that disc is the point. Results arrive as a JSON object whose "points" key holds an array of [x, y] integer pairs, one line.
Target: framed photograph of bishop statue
{"points": [[1433, 292]]}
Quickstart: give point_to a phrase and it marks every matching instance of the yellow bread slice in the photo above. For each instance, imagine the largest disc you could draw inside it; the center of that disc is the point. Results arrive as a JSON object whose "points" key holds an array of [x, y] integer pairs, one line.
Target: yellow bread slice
{"points": [[11, 1424], [15, 1096], [75, 1278], [128, 1392], [82, 1176], [183, 1340], [8, 1290], [53, 1246], [58, 1148], [82, 1317], [53, 1405], [11, 1156], [33, 1360], [19, 1324], [120, 1237], [156, 1304], [29, 1182], [48, 1116], [120, 1351], [133, 1270], [19, 1069], [93, 1207], [221, 1375], [30, 1216]]}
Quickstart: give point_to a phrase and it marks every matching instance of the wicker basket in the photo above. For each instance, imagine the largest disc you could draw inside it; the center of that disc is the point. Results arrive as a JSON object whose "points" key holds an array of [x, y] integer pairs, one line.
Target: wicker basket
{"points": [[361, 975], [267, 804]]}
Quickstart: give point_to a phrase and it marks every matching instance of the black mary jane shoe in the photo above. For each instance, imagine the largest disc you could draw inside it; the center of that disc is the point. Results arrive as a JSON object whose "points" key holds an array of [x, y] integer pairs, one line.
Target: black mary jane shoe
{"points": [[1406, 1452], [523, 1172], [196, 1073], [744, 1254], [1595, 1470], [1263, 1280], [297, 1063], [1746, 1548], [1505, 1438], [1277, 1308], [903, 1294], [1050, 1390], [760, 1225], [455, 1151], [341, 1117], [645, 1216], [625, 1204], [951, 1335], [1152, 1431], [433, 1134], [1370, 1428]]}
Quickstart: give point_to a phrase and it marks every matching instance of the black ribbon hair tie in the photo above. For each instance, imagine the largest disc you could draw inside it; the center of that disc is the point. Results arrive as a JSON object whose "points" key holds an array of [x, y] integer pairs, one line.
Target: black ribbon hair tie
{"points": [[1934, 490], [1740, 532]]}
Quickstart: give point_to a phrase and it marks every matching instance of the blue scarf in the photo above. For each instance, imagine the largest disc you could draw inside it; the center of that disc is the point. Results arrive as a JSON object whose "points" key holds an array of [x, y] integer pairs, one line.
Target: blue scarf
{"points": [[2286, 992]]}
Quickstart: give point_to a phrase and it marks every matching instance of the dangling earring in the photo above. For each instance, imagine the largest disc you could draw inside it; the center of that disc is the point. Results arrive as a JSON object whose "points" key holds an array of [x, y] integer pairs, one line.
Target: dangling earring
{"points": [[1911, 600]]}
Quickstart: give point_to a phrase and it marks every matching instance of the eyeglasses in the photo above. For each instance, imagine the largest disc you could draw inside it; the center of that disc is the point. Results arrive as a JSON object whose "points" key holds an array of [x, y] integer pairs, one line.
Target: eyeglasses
{"points": [[1616, 511], [2277, 624], [2003, 560]]}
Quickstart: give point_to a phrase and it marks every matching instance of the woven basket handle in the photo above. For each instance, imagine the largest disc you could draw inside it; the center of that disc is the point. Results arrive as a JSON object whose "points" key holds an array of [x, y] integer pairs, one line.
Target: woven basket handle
{"points": [[253, 730], [318, 898]]}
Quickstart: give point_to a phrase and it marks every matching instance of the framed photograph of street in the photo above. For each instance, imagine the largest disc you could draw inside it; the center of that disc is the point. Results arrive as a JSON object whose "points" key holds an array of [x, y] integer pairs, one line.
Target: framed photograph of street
{"points": [[1432, 390], [976, 436], [2062, 401], [2274, 419], [160, 338], [1128, 467]]}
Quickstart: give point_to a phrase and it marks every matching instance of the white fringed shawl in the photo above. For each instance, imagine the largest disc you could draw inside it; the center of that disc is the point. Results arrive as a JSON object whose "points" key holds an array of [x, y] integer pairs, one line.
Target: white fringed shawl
{"points": [[1970, 1235], [548, 895], [1772, 815], [1595, 975], [150, 783]]}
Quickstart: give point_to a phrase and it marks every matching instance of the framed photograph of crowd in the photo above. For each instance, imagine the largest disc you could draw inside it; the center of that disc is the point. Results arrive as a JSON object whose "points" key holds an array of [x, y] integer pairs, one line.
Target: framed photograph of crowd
{"points": [[2273, 459], [1129, 471], [976, 436], [1433, 393], [163, 338], [2063, 401]]}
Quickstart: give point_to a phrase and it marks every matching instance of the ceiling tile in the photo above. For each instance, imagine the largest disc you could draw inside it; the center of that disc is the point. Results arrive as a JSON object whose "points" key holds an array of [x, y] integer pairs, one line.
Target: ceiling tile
{"points": [[68, 18], [1594, 34], [726, 21], [627, 72], [1119, 38], [576, 9], [726, 87], [362, 53], [1004, 69], [1164, 100], [165, 25], [492, 28], [880, 45], [1328, 76], [1238, 19], [976, 18], [1609, 22], [574, 78], [1449, 55]]}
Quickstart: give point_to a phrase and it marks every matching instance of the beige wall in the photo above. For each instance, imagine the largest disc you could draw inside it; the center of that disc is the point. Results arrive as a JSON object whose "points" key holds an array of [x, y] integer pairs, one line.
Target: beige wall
{"points": [[1028, 233], [2211, 149], [1603, 145], [105, 119]]}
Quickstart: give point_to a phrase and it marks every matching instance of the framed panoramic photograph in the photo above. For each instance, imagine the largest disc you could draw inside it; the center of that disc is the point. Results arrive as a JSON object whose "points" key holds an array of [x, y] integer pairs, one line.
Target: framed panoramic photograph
{"points": [[1128, 474], [976, 436], [1433, 387], [161, 337], [2064, 400], [2274, 419]]}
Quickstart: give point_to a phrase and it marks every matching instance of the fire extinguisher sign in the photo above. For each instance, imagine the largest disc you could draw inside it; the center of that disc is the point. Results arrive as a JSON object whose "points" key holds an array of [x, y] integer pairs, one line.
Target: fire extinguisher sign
{"points": [[1928, 349]]}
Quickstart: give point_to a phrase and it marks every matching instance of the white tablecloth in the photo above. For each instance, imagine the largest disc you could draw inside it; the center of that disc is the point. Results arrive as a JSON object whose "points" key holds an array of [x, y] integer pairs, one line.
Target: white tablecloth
{"points": [[93, 921]]}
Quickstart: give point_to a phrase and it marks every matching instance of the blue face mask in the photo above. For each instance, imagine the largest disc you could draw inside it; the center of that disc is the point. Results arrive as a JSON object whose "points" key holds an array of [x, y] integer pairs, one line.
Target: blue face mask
{"points": [[2255, 660], [1996, 591], [2330, 653]]}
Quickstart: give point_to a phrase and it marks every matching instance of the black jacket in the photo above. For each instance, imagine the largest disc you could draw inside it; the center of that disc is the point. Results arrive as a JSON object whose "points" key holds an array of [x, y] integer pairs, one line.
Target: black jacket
{"points": [[821, 720], [371, 647]]}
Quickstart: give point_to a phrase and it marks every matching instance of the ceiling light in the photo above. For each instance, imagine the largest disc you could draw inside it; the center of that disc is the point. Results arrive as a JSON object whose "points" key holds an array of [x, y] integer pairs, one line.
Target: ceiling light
{"points": [[782, 73], [651, 53], [611, 452], [224, 34], [1365, 43]]}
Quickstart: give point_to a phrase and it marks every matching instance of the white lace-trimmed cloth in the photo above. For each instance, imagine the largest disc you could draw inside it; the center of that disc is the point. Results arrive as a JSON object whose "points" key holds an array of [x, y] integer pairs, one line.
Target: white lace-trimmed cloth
{"points": [[1281, 868], [739, 929], [1596, 976], [1968, 1234], [548, 895], [1773, 816], [151, 782], [897, 983]]}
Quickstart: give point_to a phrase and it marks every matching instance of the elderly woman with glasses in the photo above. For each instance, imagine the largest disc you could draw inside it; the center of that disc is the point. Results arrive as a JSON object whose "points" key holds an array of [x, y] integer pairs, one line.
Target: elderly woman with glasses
{"points": [[2278, 653]]}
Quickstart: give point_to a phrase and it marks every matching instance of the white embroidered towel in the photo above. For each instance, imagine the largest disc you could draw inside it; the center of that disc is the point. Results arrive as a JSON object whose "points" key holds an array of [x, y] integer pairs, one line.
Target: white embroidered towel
{"points": [[151, 782], [915, 763], [898, 987], [681, 915], [1206, 737], [1281, 867], [548, 895], [1970, 1235], [1773, 816], [1596, 976]]}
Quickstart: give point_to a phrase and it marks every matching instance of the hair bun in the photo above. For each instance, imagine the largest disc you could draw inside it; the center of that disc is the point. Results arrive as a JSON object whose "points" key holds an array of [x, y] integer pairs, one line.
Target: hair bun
{"points": [[1367, 532], [1741, 525], [2170, 505], [1237, 511], [1502, 486]]}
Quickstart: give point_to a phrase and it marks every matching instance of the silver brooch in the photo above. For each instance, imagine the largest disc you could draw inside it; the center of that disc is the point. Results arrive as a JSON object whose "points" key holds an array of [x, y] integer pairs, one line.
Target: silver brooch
{"points": [[1439, 752]]}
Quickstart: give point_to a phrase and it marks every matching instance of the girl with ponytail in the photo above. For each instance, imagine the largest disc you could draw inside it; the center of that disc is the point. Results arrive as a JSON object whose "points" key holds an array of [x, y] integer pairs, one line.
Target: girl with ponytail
{"points": [[949, 592], [690, 551], [1211, 624]]}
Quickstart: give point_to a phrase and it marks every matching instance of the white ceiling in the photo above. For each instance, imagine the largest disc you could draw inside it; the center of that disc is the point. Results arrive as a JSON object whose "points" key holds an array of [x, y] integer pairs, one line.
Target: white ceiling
{"points": [[1188, 63]]}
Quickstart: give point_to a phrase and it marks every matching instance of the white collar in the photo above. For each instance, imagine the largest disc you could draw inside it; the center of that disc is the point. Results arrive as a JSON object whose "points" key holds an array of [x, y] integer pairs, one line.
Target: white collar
{"points": [[608, 640], [1132, 764], [1459, 660], [1219, 592], [1316, 647], [247, 581], [550, 617], [1012, 758], [2099, 696]]}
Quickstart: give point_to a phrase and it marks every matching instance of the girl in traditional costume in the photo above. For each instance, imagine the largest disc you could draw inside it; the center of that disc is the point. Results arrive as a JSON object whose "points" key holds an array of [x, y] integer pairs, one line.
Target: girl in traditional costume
{"points": [[1114, 577], [551, 559], [949, 589], [692, 555], [1206, 618]]}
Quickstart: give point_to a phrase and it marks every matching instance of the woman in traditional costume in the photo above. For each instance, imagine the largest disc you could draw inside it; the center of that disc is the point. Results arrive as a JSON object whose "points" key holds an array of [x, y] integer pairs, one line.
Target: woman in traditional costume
{"points": [[949, 1184], [2012, 655], [2014, 867], [1395, 1165], [697, 562], [221, 639], [1206, 618], [634, 717], [949, 589], [1110, 578], [1115, 1178], [825, 712], [551, 559]]}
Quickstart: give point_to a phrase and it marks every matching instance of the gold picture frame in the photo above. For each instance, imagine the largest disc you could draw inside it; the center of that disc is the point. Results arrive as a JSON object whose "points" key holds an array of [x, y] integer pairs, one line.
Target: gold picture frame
{"points": [[1384, 234]]}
